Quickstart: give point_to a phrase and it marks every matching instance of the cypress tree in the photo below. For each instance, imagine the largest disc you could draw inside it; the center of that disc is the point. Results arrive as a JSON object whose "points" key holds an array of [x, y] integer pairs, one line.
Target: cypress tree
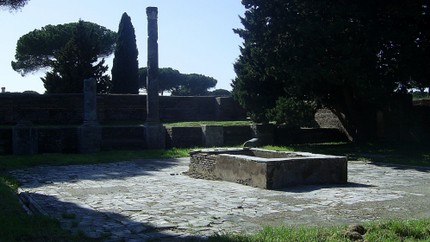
{"points": [[125, 63]]}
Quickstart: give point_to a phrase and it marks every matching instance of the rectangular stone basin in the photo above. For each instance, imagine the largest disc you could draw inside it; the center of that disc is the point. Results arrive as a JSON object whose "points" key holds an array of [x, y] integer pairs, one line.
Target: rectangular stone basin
{"points": [[266, 168]]}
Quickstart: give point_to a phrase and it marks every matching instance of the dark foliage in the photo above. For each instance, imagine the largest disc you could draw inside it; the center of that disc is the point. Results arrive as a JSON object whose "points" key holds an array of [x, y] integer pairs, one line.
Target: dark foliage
{"points": [[125, 64], [352, 57], [36, 49], [74, 63], [13, 4]]}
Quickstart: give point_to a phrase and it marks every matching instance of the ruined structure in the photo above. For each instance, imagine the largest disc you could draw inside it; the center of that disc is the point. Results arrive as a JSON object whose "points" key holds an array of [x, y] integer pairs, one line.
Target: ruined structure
{"points": [[268, 169]]}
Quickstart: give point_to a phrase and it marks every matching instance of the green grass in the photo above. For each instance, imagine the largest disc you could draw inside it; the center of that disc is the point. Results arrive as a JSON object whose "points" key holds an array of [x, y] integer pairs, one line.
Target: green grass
{"points": [[16, 225], [16, 162], [199, 123], [176, 124], [395, 153], [387, 231], [273, 234]]}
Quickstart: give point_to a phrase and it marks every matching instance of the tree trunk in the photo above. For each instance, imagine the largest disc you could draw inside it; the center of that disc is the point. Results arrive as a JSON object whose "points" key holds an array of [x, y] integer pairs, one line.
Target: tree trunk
{"points": [[357, 118]]}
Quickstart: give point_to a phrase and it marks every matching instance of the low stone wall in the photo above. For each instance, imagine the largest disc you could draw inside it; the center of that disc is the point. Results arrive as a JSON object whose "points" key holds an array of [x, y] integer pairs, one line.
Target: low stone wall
{"points": [[288, 136], [202, 166], [123, 137], [5, 141], [184, 137], [422, 102], [57, 140], [268, 169], [65, 139], [237, 135]]}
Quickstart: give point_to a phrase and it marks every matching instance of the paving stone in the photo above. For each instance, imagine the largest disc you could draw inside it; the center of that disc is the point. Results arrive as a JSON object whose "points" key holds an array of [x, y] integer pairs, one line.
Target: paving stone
{"points": [[141, 200]]}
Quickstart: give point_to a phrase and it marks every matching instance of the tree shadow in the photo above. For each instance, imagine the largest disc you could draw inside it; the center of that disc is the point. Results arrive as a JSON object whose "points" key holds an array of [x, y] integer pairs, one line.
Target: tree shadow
{"points": [[404, 153], [401, 167], [43, 175], [101, 226], [311, 188]]}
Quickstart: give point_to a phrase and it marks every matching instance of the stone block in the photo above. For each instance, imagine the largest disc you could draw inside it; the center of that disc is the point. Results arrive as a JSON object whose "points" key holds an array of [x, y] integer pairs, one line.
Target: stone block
{"points": [[155, 136], [25, 139], [184, 137], [237, 134], [213, 135], [268, 169], [265, 133], [90, 138]]}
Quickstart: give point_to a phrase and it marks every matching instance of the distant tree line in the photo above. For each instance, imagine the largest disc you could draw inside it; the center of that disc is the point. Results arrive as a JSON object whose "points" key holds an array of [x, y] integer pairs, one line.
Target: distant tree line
{"points": [[179, 84]]}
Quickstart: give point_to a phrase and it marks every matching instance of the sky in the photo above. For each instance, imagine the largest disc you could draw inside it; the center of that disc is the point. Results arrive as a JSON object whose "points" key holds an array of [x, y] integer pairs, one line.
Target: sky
{"points": [[195, 36]]}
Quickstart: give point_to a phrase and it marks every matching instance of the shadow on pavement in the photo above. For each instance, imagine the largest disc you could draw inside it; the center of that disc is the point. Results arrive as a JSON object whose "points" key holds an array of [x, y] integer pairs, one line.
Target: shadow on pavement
{"points": [[42, 175], [310, 188], [401, 167], [105, 226]]}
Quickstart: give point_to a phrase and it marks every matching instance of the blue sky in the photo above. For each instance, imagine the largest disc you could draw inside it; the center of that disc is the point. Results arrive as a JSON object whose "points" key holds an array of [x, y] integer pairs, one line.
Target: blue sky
{"points": [[195, 36]]}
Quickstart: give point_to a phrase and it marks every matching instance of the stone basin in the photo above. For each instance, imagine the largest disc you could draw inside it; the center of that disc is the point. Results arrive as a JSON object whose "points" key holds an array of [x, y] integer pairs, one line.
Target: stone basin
{"points": [[268, 169]]}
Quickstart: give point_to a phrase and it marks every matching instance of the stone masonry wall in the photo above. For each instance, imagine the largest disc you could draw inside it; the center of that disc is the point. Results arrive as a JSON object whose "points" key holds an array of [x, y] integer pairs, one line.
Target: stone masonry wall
{"points": [[64, 139], [66, 109]]}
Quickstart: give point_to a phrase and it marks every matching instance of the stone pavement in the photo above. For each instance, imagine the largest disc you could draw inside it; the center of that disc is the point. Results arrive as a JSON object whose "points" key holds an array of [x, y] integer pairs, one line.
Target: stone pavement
{"points": [[153, 199]]}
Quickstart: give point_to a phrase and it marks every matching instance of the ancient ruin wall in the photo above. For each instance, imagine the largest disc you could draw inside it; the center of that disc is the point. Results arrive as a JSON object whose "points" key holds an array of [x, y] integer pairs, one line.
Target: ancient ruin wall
{"points": [[61, 109]]}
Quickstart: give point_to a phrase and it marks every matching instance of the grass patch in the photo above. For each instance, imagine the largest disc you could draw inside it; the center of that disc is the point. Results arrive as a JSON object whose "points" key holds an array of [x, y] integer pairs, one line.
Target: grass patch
{"points": [[22, 161], [200, 123], [18, 226], [395, 153], [286, 234], [393, 230]]}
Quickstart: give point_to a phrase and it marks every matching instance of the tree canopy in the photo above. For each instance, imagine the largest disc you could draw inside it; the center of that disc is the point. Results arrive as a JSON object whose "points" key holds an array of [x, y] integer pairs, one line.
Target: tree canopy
{"points": [[220, 93], [179, 84], [352, 57], [13, 4], [36, 49], [74, 63], [125, 64], [194, 85]]}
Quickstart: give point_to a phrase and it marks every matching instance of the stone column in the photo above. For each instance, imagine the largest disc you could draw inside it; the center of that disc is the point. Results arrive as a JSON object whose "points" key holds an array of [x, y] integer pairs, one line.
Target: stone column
{"points": [[155, 132], [152, 102], [90, 131]]}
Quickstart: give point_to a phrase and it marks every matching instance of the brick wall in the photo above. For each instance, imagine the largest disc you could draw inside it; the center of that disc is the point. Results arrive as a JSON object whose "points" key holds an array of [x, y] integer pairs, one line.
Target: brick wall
{"points": [[61, 109]]}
